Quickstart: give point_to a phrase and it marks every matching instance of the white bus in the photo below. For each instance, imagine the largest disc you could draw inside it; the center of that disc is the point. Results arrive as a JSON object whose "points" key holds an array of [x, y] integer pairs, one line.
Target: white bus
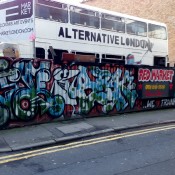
{"points": [[85, 30]]}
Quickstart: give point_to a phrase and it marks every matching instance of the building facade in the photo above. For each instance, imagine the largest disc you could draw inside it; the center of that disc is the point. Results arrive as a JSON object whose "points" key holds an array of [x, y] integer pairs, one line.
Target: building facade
{"points": [[159, 10]]}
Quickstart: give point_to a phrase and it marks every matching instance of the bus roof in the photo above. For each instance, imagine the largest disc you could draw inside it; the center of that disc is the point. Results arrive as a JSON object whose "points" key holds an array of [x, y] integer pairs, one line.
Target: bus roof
{"points": [[109, 12], [102, 10]]}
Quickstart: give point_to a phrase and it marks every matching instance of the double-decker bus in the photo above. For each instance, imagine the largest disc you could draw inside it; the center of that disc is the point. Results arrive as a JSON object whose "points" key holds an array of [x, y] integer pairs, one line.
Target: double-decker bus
{"points": [[109, 36]]}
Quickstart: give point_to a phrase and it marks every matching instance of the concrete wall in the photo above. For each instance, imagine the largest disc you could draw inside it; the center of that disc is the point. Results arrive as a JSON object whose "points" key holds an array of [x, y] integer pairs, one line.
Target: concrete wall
{"points": [[159, 10], [35, 90]]}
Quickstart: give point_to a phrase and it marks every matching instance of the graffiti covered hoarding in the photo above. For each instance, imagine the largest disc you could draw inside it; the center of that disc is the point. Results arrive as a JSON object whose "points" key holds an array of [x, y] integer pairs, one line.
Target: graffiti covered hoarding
{"points": [[37, 91], [17, 20]]}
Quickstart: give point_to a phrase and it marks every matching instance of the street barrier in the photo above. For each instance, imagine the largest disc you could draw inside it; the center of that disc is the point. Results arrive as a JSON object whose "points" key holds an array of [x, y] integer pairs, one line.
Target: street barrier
{"points": [[37, 90]]}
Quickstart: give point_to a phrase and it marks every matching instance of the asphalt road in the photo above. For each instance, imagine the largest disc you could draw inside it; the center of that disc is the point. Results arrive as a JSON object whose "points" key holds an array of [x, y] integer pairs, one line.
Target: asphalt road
{"points": [[139, 152]]}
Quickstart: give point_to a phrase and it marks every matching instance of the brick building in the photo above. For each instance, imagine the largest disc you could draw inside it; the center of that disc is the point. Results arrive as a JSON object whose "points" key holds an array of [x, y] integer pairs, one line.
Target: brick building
{"points": [[159, 10]]}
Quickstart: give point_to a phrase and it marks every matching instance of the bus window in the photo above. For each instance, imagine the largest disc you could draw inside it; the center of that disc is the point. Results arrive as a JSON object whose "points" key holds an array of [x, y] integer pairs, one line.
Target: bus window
{"points": [[136, 27], [159, 61], [58, 56], [86, 56], [40, 52], [156, 31], [97, 59], [117, 59], [42, 11], [52, 10], [112, 23], [84, 17]]}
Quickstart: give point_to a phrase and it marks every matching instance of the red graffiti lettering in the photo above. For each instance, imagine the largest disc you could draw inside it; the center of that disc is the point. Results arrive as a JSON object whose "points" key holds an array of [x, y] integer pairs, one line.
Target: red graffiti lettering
{"points": [[155, 75], [144, 74]]}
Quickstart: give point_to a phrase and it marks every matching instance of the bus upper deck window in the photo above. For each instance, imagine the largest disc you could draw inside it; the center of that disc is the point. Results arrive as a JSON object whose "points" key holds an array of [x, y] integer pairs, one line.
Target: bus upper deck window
{"points": [[134, 27], [156, 31], [52, 10], [111, 22], [42, 11], [85, 17], [59, 15]]}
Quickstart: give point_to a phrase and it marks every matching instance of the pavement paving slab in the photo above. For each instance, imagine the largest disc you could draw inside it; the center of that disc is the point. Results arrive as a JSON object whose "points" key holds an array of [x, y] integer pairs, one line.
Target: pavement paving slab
{"points": [[4, 147], [22, 137], [52, 127], [73, 128]]}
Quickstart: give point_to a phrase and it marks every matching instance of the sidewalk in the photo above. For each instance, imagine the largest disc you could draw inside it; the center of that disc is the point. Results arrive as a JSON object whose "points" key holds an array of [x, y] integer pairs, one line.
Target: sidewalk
{"points": [[50, 133]]}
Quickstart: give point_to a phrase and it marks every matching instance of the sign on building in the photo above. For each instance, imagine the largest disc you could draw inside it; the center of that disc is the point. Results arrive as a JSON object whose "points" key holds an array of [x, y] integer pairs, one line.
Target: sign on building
{"points": [[17, 20]]}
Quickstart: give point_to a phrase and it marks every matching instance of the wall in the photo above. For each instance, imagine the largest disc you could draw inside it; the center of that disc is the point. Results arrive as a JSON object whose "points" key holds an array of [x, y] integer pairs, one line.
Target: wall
{"points": [[36, 91], [159, 10]]}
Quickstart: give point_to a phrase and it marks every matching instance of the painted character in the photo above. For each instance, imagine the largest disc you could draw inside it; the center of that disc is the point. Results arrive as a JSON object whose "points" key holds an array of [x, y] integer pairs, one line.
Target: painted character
{"points": [[61, 84]]}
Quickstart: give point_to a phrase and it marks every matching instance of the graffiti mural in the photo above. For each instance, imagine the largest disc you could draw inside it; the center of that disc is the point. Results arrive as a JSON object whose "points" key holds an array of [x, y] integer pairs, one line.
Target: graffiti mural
{"points": [[35, 91]]}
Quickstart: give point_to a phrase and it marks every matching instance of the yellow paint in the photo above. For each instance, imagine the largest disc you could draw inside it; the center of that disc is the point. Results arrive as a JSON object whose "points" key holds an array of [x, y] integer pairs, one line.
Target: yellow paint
{"points": [[39, 152]]}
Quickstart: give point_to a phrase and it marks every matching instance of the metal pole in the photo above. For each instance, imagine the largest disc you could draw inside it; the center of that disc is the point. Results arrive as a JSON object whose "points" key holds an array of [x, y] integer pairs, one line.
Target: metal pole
{"points": [[34, 50]]}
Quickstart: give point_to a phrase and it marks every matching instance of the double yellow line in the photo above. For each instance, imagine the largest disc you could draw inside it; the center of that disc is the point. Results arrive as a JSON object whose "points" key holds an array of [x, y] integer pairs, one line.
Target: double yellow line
{"points": [[52, 149]]}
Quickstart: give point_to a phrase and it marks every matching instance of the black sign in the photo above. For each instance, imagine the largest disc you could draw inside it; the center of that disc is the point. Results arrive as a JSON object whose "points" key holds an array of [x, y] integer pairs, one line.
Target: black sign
{"points": [[154, 89], [155, 83], [18, 9]]}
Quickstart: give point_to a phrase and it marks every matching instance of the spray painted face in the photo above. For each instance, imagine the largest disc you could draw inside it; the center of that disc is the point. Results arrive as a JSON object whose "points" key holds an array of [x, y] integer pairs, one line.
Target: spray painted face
{"points": [[130, 59]]}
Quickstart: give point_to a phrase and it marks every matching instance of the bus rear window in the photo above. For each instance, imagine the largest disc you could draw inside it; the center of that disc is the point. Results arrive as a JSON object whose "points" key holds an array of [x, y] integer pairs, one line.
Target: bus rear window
{"points": [[52, 11], [156, 31], [84, 17], [136, 27], [115, 23]]}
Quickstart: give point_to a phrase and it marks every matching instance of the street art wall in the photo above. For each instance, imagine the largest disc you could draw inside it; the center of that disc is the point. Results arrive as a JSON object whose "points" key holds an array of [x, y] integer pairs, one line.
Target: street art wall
{"points": [[37, 90]]}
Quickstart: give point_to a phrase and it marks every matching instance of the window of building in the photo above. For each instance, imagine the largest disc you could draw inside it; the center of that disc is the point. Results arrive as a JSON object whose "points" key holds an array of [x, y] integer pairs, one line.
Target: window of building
{"points": [[156, 31], [111, 22], [84, 17], [51, 10], [136, 27]]}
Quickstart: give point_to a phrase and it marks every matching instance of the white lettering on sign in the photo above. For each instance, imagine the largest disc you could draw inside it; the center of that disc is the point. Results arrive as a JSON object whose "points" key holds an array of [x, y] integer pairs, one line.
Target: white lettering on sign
{"points": [[26, 8], [17, 20], [150, 104]]}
